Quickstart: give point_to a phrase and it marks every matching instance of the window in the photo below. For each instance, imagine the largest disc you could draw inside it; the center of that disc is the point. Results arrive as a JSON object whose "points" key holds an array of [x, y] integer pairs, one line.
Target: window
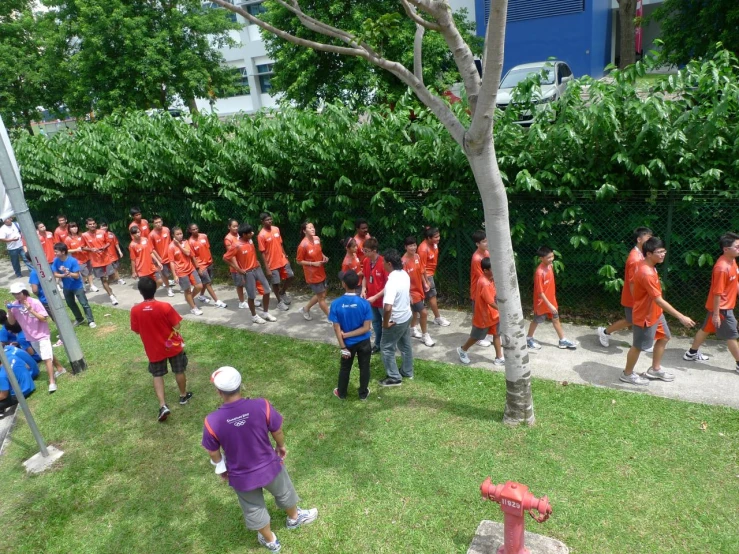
{"points": [[253, 7], [520, 10], [242, 83], [265, 73]]}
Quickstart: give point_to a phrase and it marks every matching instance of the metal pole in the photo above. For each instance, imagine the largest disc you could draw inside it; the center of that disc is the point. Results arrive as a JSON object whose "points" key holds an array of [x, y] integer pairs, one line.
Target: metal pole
{"points": [[10, 179], [23, 404]]}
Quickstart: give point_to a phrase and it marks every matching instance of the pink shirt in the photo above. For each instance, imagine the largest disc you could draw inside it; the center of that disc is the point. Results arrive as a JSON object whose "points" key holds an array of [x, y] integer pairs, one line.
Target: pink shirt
{"points": [[33, 327]]}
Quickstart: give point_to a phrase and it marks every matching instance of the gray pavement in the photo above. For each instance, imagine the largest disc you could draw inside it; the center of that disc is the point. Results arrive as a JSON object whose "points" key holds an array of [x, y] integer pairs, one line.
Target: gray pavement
{"points": [[712, 382]]}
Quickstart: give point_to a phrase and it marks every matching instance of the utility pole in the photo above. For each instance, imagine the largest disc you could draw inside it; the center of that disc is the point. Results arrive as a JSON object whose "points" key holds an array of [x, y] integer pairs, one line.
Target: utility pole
{"points": [[10, 179]]}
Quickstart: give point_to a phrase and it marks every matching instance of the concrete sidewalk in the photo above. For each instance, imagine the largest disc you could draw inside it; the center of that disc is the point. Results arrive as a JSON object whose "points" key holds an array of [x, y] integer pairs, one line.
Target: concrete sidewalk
{"points": [[712, 382]]}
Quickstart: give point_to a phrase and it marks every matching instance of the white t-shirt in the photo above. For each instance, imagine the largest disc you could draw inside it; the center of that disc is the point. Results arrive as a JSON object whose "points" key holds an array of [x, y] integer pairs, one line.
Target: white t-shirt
{"points": [[398, 293], [11, 232]]}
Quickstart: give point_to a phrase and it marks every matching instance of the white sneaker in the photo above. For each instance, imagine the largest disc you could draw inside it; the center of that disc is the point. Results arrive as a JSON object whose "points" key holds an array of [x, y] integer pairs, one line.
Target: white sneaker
{"points": [[499, 361], [287, 299], [113, 300], [485, 343], [257, 302], [649, 350], [93, 288], [257, 319], [633, 379], [602, 337], [196, 311], [93, 325], [416, 333], [59, 372], [659, 374], [442, 321], [172, 283], [306, 314], [427, 340], [243, 305], [203, 299], [52, 388], [282, 306], [121, 282], [170, 292], [220, 304], [268, 316], [463, 357]]}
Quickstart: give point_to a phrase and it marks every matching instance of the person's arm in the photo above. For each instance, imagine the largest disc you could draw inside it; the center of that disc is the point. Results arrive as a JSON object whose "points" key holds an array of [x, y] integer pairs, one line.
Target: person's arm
{"points": [[172, 269], [230, 259], [215, 456], [359, 331], [279, 437], [376, 297], [685, 320], [34, 313], [387, 311], [716, 316], [158, 263], [4, 393], [551, 307]]}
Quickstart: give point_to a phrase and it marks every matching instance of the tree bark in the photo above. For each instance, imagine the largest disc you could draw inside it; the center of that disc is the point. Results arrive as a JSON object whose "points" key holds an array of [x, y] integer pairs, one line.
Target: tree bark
{"points": [[626, 16]]}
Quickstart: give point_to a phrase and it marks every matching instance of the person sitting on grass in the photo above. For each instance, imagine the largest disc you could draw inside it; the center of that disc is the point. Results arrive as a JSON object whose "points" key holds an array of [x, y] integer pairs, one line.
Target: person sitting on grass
{"points": [[25, 370], [13, 335], [241, 428]]}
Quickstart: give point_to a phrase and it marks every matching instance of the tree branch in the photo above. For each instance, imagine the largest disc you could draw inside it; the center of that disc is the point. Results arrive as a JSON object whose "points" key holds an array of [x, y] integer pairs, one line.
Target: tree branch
{"points": [[411, 12], [418, 52]]}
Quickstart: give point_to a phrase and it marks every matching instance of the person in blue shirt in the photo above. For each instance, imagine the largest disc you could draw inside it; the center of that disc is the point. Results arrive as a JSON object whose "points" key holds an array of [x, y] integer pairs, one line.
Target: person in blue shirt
{"points": [[23, 368], [14, 335], [38, 290], [67, 268], [351, 316]]}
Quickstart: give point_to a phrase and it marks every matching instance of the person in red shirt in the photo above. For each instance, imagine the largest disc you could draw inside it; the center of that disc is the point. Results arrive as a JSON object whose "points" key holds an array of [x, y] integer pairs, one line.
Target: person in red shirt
{"points": [[246, 271], [351, 260], [113, 253], [141, 223], [96, 243], [545, 301], [636, 256], [228, 241], [648, 318], [270, 245], [419, 285], [76, 246], [311, 257], [428, 250], [481, 251], [158, 325], [145, 262], [362, 234], [182, 266], [373, 286], [200, 247], [720, 303], [160, 238], [47, 241], [62, 231], [486, 318]]}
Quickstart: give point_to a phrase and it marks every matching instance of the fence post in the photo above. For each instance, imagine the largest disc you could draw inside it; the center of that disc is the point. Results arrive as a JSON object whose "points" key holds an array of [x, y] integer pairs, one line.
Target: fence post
{"points": [[460, 272], [668, 230]]}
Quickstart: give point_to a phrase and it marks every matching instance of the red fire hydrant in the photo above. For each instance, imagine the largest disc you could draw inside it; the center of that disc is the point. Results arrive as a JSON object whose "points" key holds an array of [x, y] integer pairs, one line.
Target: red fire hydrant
{"points": [[514, 498]]}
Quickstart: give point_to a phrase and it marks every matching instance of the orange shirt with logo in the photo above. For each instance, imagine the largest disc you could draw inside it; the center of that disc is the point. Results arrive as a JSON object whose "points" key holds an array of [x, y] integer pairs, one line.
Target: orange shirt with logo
{"points": [[351, 261], [245, 255], [632, 263], [75, 242], [647, 288], [415, 270], [312, 252], [723, 284], [360, 244], [183, 264], [228, 241], [97, 239], [200, 248], [60, 235], [485, 315], [161, 239], [544, 282], [111, 253], [270, 244], [143, 227], [476, 270], [47, 243], [140, 253], [429, 254]]}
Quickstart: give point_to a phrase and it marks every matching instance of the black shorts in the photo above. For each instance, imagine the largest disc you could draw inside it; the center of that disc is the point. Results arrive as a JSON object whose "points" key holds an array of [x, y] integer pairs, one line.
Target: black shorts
{"points": [[178, 362]]}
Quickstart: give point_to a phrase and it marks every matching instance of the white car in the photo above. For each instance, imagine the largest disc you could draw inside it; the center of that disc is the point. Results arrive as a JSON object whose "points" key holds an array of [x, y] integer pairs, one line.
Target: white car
{"points": [[556, 75]]}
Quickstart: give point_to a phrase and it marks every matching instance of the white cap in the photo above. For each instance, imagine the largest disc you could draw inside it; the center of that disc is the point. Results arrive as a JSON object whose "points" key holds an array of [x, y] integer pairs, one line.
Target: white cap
{"points": [[18, 287], [226, 379]]}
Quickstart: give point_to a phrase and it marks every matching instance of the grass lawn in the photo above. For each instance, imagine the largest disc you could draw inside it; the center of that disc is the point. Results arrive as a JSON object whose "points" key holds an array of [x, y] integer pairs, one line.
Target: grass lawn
{"points": [[399, 473]]}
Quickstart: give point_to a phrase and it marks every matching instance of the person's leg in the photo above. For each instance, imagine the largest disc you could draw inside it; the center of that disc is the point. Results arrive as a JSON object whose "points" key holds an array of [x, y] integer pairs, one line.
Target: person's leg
{"points": [[82, 298], [312, 302], [69, 298], [377, 325], [106, 286], [179, 365], [434, 307], [345, 369], [558, 328], [617, 326], [8, 402], [700, 338], [181, 383], [211, 292], [276, 284], [255, 513], [659, 351], [15, 260], [364, 355], [424, 316], [498, 347], [159, 390], [632, 356], [733, 347], [322, 302], [469, 344], [390, 338], [240, 293], [406, 351], [532, 329]]}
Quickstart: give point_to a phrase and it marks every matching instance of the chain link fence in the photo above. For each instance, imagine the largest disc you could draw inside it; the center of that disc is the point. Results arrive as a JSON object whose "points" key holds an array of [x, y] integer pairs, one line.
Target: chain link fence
{"points": [[591, 237]]}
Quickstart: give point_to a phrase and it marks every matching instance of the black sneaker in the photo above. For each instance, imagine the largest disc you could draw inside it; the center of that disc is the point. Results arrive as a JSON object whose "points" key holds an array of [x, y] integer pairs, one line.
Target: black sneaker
{"points": [[366, 396], [163, 413], [184, 399], [375, 349], [388, 382]]}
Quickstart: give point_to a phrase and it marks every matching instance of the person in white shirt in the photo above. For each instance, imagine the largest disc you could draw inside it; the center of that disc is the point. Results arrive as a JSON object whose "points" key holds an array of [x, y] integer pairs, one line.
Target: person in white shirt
{"points": [[10, 234], [396, 322]]}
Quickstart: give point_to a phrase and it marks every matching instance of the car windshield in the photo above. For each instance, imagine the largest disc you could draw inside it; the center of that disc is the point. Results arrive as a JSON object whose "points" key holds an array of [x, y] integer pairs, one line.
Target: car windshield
{"points": [[515, 76]]}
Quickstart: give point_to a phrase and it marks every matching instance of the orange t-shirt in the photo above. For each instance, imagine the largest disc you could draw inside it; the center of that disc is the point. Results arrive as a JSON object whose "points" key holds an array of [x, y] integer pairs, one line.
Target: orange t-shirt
{"points": [[60, 235], [270, 244], [485, 315], [183, 265], [111, 253], [360, 244], [96, 239], [544, 282], [200, 248], [228, 241], [724, 284], [429, 256], [632, 263], [143, 227], [476, 270], [47, 243], [415, 270], [244, 253], [141, 260], [161, 240], [75, 242], [312, 252], [646, 312]]}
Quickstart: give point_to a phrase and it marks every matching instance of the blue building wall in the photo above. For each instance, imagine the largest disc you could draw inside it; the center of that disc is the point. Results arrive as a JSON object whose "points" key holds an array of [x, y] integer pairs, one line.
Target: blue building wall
{"points": [[581, 39]]}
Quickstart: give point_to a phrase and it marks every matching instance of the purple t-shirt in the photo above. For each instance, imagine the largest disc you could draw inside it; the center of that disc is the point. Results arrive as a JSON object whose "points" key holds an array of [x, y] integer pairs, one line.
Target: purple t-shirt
{"points": [[242, 430], [34, 328]]}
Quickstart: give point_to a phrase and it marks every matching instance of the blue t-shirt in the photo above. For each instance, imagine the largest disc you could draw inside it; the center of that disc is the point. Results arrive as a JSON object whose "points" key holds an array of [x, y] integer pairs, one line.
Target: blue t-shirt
{"points": [[68, 283], [8, 337], [21, 371], [34, 280], [20, 358], [350, 312]]}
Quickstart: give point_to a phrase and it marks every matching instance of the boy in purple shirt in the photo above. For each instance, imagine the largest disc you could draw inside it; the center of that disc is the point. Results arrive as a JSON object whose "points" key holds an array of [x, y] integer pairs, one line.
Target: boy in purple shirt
{"points": [[241, 428]]}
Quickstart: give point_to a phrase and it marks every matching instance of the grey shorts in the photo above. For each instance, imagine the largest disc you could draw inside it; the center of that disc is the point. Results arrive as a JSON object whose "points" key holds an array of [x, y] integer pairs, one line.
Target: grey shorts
{"points": [[727, 331], [116, 265], [85, 269], [627, 315], [480, 333], [206, 275], [644, 337], [543, 317], [105, 271], [418, 307], [178, 362], [431, 293], [165, 272], [318, 288], [282, 274], [188, 280], [252, 502], [251, 278]]}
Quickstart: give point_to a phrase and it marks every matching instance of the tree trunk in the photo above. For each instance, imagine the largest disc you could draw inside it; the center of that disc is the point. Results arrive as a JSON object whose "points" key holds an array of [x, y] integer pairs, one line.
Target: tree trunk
{"points": [[626, 16], [519, 406], [192, 105]]}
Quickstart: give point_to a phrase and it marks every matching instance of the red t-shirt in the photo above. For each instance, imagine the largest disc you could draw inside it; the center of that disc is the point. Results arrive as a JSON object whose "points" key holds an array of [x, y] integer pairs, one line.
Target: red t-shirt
{"points": [[647, 287], [351, 261], [60, 235], [161, 240], [376, 277], [544, 282], [360, 244], [155, 321], [97, 239], [75, 242], [183, 264], [47, 243], [111, 254], [312, 252], [415, 270], [200, 248], [724, 284], [429, 254], [143, 227], [632, 263], [270, 244], [245, 255], [476, 270], [228, 241], [141, 257], [485, 315]]}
